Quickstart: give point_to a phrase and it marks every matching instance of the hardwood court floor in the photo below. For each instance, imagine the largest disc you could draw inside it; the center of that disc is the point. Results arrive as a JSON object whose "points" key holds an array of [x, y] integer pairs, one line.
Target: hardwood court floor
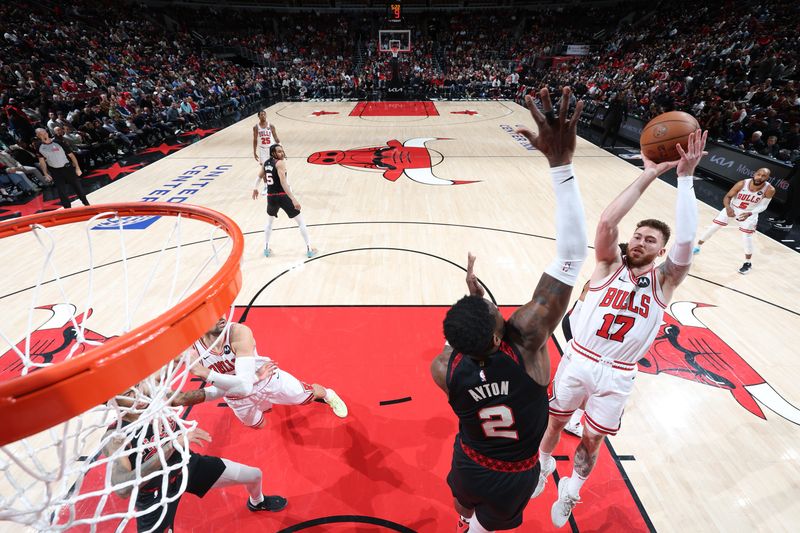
{"points": [[709, 438]]}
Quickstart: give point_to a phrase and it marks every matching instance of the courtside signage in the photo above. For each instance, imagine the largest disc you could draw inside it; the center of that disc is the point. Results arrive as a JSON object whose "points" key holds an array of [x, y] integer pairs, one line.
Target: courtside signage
{"points": [[177, 190]]}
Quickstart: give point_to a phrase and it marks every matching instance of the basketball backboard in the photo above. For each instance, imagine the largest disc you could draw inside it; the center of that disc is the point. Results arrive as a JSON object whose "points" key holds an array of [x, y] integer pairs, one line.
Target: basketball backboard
{"points": [[401, 39]]}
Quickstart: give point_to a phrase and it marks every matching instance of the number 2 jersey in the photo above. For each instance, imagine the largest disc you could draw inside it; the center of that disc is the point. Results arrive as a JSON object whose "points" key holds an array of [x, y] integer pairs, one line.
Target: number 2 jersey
{"points": [[502, 412], [619, 318]]}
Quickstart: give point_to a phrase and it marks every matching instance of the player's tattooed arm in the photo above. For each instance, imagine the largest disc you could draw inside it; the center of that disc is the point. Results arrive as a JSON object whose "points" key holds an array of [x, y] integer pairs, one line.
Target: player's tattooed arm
{"points": [[123, 472], [535, 321], [671, 275], [191, 397]]}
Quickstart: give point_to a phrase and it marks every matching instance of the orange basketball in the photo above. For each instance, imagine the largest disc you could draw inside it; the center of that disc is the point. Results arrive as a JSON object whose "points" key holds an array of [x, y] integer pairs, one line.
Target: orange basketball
{"points": [[662, 133]]}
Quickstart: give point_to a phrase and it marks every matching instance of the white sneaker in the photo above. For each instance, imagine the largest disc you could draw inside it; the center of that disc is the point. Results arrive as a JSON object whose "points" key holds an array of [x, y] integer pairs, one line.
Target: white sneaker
{"points": [[337, 405], [545, 470], [561, 510], [574, 429]]}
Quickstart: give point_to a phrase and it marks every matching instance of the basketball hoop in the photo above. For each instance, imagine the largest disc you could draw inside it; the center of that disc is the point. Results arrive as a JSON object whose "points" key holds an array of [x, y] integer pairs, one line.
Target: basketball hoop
{"points": [[394, 47], [54, 413]]}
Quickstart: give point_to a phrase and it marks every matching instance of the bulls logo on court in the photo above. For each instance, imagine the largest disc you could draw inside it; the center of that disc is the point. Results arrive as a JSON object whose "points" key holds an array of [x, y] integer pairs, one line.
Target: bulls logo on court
{"points": [[52, 341], [411, 158], [686, 348]]}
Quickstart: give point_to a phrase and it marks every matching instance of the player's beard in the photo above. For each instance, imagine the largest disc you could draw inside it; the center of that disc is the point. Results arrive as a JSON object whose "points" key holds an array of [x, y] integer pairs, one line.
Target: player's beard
{"points": [[641, 260]]}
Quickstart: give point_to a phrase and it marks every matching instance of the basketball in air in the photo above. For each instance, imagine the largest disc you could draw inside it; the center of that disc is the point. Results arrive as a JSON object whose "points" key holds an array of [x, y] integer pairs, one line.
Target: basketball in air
{"points": [[662, 133]]}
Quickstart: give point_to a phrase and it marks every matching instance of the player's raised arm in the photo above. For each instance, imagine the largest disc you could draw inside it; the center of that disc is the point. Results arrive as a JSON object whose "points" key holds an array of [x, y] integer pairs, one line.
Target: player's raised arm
{"points": [[674, 270], [606, 248], [534, 322]]}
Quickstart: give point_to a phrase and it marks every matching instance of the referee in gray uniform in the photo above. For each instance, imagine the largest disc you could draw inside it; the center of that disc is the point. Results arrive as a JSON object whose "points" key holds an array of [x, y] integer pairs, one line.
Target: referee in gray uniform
{"points": [[55, 158]]}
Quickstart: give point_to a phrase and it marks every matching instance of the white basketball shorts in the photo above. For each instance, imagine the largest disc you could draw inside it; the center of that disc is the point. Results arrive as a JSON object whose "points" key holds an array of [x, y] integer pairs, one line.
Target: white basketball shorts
{"points": [[602, 389], [747, 225], [280, 389]]}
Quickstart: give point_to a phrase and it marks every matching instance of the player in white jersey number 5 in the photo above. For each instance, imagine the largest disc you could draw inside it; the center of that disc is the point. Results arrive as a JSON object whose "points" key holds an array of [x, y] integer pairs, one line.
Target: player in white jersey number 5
{"points": [[743, 203], [618, 321], [250, 383]]}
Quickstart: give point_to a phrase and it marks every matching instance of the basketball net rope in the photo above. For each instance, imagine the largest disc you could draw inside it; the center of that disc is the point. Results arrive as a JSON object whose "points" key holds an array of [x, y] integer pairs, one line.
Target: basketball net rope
{"points": [[65, 476]]}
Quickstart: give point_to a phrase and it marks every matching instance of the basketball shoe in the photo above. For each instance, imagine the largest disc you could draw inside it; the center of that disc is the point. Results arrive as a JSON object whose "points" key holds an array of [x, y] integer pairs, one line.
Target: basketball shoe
{"points": [[547, 468], [462, 526], [696, 250], [746, 267], [267, 252], [269, 503], [311, 252], [561, 510], [336, 404]]}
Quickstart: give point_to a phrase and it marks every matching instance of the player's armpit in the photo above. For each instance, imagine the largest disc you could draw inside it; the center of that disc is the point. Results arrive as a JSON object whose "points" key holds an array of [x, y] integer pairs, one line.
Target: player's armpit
{"points": [[671, 275], [535, 321]]}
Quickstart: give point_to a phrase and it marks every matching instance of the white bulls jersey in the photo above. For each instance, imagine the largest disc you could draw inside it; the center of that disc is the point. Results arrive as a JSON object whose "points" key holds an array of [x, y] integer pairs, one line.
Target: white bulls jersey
{"points": [[746, 199], [265, 138], [221, 358], [620, 317]]}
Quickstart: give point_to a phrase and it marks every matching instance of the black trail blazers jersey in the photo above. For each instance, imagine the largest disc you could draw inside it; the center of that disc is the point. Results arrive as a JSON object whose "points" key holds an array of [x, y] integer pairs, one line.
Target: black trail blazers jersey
{"points": [[502, 411], [274, 186]]}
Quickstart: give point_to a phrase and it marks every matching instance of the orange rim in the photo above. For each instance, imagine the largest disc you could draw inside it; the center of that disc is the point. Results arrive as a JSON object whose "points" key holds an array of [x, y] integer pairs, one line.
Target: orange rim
{"points": [[40, 400]]}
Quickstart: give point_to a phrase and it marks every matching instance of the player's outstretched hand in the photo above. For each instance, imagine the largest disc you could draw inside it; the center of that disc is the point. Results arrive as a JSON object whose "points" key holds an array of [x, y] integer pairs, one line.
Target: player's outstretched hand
{"points": [[659, 168], [474, 286], [199, 436], [267, 371], [693, 154], [557, 135], [255, 194]]}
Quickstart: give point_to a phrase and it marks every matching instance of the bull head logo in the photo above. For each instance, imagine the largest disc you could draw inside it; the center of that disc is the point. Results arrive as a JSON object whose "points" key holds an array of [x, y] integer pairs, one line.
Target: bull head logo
{"points": [[395, 159], [53, 341], [686, 348]]}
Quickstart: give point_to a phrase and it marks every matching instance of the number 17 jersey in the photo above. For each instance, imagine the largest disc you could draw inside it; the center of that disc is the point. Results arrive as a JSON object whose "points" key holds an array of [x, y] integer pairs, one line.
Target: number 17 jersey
{"points": [[620, 317]]}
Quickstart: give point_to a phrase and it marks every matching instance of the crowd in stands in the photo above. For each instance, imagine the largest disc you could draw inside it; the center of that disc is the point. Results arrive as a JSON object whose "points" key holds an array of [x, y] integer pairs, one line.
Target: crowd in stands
{"points": [[106, 81], [111, 77]]}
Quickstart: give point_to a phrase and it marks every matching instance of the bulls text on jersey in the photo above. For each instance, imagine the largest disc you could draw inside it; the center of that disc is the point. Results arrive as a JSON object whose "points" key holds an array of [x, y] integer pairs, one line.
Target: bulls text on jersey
{"points": [[620, 299]]}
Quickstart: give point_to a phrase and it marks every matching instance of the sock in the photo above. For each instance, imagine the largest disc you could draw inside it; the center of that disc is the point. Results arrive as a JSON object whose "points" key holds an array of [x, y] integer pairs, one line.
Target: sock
{"points": [[327, 394], [268, 231], [575, 483], [710, 230], [240, 474], [301, 223], [463, 519]]}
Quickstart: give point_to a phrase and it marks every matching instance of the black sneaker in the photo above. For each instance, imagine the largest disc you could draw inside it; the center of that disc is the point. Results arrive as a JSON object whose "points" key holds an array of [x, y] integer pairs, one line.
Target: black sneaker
{"points": [[270, 503], [783, 226], [745, 268]]}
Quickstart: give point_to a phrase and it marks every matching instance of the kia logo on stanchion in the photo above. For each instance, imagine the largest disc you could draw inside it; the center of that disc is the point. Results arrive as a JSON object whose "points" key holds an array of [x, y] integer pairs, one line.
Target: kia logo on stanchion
{"points": [[721, 161]]}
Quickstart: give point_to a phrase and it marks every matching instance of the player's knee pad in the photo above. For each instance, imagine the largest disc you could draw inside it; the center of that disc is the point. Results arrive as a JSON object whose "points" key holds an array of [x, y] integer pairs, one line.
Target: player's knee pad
{"points": [[747, 241]]}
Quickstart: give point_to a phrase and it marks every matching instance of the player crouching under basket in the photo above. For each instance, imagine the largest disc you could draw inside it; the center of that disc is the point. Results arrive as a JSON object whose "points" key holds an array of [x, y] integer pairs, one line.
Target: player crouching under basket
{"points": [[250, 383], [150, 460]]}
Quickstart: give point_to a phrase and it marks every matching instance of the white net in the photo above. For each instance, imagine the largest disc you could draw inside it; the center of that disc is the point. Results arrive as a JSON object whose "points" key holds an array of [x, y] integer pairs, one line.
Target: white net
{"points": [[125, 459]]}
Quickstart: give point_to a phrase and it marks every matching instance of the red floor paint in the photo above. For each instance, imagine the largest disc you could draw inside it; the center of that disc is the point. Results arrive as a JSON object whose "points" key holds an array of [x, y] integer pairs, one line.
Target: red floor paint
{"points": [[387, 462], [395, 109]]}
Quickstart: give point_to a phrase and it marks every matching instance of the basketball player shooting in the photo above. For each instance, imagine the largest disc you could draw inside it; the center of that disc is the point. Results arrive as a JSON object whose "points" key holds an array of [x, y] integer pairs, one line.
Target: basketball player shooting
{"points": [[618, 321], [250, 383], [495, 372], [152, 453]]}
